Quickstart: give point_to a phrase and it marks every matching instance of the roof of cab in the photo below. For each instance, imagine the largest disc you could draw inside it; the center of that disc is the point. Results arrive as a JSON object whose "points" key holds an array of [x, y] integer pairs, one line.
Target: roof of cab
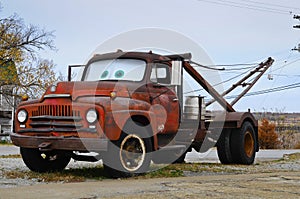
{"points": [[140, 55]]}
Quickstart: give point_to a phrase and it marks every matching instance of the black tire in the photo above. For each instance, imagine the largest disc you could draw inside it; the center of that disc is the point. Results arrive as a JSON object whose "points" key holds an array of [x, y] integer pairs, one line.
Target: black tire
{"points": [[131, 154], [38, 161], [224, 147], [243, 144]]}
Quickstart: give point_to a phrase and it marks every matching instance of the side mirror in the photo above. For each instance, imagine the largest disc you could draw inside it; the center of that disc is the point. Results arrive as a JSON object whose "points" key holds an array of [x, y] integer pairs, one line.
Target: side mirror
{"points": [[78, 72]]}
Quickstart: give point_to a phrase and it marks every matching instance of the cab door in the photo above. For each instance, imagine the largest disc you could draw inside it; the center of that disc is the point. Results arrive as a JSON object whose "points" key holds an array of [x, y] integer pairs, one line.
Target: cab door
{"points": [[163, 98]]}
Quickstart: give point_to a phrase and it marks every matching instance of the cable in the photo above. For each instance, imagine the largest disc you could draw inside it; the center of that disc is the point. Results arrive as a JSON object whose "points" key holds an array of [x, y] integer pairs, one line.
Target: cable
{"points": [[234, 69], [294, 61], [239, 74], [273, 5], [285, 75], [206, 67], [255, 6], [245, 64], [250, 7], [277, 89], [210, 67], [222, 82]]}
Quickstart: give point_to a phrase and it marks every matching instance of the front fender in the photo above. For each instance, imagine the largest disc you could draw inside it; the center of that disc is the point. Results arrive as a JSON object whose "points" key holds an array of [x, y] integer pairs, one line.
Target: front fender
{"points": [[116, 120]]}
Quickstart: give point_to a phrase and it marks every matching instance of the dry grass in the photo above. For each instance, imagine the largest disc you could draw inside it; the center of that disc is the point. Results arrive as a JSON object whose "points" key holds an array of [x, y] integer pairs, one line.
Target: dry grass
{"points": [[11, 156], [68, 175], [174, 170], [297, 146], [97, 173]]}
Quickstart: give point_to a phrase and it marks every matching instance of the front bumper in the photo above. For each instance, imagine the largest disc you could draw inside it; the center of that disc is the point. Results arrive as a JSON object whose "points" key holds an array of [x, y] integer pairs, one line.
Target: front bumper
{"points": [[60, 143]]}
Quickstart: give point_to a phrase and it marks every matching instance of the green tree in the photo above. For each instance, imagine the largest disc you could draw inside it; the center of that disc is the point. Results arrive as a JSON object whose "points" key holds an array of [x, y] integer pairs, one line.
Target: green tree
{"points": [[21, 67]]}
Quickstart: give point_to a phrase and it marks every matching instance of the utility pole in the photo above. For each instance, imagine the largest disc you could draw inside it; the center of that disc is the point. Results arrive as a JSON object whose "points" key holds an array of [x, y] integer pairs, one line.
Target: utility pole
{"points": [[297, 48], [297, 26], [296, 17]]}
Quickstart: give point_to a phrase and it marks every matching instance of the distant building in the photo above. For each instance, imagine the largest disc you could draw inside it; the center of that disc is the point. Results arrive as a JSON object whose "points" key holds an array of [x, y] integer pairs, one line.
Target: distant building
{"points": [[8, 78], [6, 109]]}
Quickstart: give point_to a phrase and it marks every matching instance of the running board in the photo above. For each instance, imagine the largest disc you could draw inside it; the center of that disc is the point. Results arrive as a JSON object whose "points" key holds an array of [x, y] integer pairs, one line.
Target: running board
{"points": [[86, 158]]}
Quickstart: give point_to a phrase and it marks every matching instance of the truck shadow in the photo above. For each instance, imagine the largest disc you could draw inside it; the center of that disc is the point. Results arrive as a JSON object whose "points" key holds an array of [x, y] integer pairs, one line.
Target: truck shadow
{"points": [[98, 173]]}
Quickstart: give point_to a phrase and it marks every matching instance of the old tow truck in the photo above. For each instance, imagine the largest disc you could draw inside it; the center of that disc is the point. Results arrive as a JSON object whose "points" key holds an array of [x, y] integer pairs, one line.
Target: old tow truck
{"points": [[130, 110]]}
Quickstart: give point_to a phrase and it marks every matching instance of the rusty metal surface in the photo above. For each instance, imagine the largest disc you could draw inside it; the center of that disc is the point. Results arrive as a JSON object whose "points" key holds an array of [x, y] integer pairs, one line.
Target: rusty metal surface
{"points": [[62, 143], [59, 117], [50, 116]]}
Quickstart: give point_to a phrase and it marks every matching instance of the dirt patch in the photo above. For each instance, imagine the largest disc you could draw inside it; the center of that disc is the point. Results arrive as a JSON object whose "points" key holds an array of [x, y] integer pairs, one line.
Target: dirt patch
{"points": [[265, 185], [273, 179]]}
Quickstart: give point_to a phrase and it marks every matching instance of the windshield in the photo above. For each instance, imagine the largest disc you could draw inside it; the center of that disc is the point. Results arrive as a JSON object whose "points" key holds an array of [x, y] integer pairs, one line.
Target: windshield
{"points": [[117, 69]]}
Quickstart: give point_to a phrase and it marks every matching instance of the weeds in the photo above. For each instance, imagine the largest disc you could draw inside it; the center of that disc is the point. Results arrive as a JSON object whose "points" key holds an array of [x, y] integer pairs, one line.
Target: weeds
{"points": [[11, 156], [97, 173], [5, 142], [68, 175], [174, 170]]}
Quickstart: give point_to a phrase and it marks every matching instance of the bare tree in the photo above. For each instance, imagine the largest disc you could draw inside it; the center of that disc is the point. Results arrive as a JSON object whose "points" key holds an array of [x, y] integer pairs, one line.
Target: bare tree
{"points": [[21, 68]]}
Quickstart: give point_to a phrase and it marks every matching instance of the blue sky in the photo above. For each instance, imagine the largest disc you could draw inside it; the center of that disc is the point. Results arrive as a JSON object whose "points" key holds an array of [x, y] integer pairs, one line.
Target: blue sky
{"points": [[230, 31]]}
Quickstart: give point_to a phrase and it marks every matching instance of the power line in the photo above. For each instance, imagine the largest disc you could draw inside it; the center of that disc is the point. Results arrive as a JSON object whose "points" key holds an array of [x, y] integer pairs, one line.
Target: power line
{"points": [[274, 74], [272, 90], [285, 75], [285, 65], [271, 4], [248, 6], [239, 74], [254, 6]]}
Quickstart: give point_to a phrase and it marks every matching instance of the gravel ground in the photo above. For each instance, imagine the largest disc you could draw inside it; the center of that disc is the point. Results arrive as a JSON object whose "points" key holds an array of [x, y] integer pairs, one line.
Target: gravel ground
{"points": [[264, 179], [263, 185], [288, 163], [16, 164]]}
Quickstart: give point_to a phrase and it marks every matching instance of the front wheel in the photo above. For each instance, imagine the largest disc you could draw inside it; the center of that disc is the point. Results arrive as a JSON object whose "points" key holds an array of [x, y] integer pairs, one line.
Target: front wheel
{"points": [[243, 144], [129, 155], [39, 161]]}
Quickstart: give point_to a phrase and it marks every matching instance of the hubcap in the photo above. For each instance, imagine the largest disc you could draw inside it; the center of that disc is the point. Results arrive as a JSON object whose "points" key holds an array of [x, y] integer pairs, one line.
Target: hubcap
{"points": [[249, 144], [132, 152]]}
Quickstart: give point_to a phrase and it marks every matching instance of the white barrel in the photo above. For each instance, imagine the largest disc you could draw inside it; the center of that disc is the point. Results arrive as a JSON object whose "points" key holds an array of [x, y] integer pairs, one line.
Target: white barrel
{"points": [[191, 107]]}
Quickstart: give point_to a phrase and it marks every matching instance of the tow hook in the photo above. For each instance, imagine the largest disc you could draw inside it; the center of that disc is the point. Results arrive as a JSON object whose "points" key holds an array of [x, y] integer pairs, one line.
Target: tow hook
{"points": [[45, 146]]}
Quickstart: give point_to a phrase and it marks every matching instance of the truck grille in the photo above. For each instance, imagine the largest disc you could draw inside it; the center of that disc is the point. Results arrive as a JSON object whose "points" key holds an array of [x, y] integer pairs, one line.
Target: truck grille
{"points": [[55, 110], [56, 118]]}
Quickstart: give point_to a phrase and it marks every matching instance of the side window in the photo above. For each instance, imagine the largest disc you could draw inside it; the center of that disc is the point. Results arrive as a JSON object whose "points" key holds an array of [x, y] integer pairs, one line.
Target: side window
{"points": [[160, 74]]}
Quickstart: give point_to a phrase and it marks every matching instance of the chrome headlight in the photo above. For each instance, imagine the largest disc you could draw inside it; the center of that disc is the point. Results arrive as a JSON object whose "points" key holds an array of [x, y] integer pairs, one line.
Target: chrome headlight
{"points": [[91, 116], [22, 116]]}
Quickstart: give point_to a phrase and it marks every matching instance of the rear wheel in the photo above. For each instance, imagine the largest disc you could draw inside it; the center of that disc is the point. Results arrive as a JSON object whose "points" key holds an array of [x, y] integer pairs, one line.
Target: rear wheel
{"points": [[243, 145], [39, 161], [129, 155], [223, 147]]}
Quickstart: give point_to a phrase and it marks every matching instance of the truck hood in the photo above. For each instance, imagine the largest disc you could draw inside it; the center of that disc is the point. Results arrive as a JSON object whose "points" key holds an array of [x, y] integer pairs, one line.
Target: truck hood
{"points": [[84, 89]]}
